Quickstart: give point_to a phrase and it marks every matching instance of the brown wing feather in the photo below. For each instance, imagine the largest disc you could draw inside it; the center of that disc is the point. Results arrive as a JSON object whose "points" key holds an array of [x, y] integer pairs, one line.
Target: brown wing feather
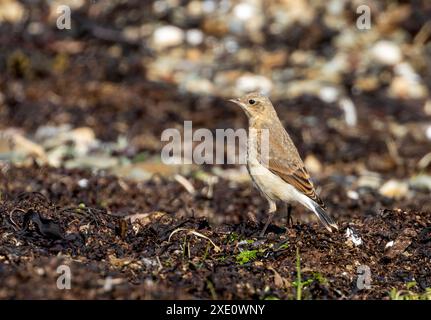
{"points": [[297, 177], [284, 161]]}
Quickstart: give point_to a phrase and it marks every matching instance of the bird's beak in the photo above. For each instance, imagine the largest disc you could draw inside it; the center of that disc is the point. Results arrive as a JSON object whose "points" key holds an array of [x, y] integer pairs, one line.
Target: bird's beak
{"points": [[243, 107], [236, 101]]}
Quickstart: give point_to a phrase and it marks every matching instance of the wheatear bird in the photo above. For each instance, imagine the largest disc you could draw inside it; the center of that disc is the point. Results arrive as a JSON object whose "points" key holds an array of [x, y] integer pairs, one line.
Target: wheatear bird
{"points": [[277, 169]]}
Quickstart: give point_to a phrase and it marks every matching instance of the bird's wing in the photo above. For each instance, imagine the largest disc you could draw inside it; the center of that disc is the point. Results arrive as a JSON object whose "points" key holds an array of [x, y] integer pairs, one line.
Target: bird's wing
{"points": [[285, 162]]}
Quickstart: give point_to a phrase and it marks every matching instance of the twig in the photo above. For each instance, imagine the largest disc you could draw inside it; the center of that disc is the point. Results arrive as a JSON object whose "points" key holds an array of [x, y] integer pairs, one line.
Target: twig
{"points": [[195, 233], [185, 183]]}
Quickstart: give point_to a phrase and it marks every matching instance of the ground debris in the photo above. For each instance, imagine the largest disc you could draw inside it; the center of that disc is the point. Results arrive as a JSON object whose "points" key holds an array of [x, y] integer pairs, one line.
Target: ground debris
{"points": [[401, 243], [93, 238], [46, 227]]}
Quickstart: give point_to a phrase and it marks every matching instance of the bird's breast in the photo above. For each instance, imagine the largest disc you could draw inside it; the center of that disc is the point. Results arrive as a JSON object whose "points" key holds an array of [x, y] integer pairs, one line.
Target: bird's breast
{"points": [[267, 182]]}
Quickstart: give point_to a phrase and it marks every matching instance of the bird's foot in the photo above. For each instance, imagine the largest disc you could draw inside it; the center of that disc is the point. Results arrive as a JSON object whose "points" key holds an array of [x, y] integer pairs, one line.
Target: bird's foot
{"points": [[289, 216]]}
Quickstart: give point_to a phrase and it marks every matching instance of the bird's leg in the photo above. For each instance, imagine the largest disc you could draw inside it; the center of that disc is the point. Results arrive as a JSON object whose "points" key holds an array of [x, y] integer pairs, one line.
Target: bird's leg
{"points": [[271, 212], [289, 215]]}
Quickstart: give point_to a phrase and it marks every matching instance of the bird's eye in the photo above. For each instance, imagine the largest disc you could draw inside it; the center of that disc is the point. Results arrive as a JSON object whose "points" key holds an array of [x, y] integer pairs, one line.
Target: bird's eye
{"points": [[251, 101]]}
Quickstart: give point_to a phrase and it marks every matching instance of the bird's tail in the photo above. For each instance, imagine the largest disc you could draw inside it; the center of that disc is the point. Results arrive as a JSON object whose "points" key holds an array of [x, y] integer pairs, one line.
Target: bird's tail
{"points": [[324, 218]]}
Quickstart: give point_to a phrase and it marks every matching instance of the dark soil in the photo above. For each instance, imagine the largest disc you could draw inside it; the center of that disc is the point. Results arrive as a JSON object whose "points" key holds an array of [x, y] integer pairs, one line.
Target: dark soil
{"points": [[97, 243]]}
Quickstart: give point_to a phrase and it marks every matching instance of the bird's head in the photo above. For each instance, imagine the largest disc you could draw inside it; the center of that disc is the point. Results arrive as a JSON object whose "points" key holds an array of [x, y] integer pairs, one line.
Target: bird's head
{"points": [[255, 105]]}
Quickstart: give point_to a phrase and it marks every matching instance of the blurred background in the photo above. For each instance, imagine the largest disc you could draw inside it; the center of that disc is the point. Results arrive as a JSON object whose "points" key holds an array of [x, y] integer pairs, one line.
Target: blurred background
{"points": [[95, 98], [98, 95]]}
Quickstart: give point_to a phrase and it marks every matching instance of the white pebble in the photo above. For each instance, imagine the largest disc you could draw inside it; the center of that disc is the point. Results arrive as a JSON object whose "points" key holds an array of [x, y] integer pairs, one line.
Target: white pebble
{"points": [[406, 71], [231, 45], [389, 244], [244, 11], [353, 194], [167, 36], [83, 183], [194, 37], [428, 132], [350, 235], [386, 52], [350, 115], [248, 83], [394, 189], [209, 6], [328, 94]]}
